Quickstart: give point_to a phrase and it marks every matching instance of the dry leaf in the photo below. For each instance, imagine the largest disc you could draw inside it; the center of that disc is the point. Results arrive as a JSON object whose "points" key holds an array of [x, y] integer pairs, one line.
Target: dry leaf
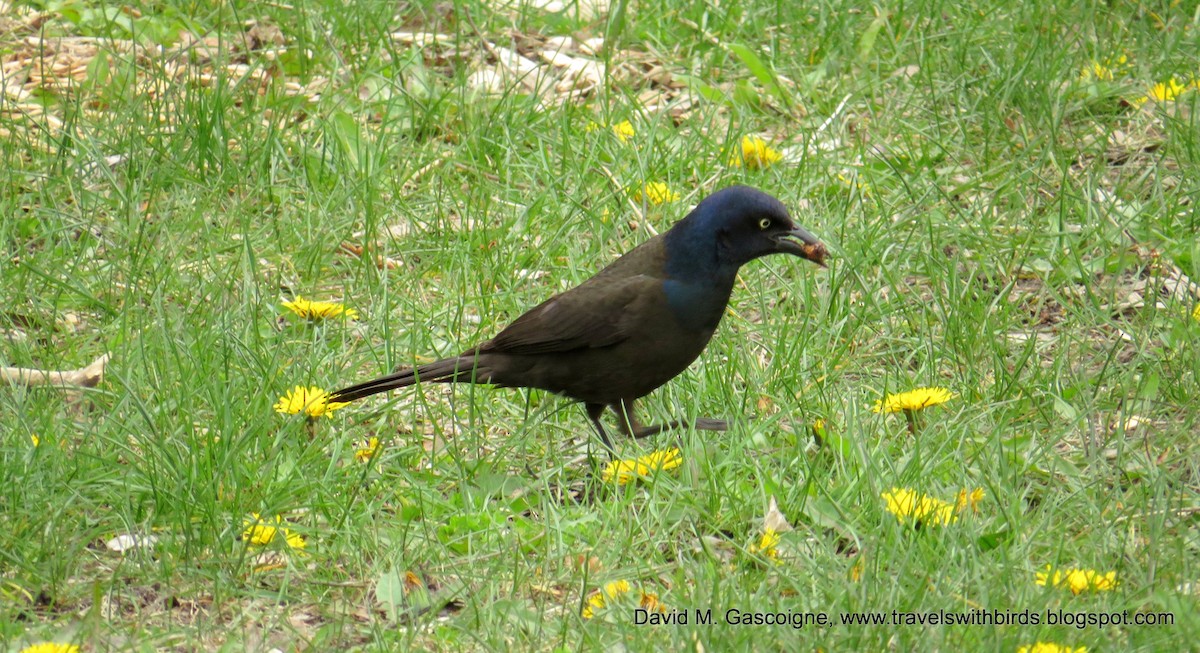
{"points": [[774, 519], [126, 541]]}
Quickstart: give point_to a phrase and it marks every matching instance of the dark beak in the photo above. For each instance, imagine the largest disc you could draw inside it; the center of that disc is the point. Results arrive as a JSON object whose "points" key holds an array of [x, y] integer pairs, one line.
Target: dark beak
{"points": [[799, 242]]}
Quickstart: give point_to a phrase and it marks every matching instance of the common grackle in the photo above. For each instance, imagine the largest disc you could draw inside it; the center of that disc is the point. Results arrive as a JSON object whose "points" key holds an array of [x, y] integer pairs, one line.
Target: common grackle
{"points": [[633, 326]]}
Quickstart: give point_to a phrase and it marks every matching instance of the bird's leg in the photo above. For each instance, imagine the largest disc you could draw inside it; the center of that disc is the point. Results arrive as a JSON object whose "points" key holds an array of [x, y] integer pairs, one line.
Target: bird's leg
{"points": [[709, 424], [594, 411], [627, 421], [631, 427]]}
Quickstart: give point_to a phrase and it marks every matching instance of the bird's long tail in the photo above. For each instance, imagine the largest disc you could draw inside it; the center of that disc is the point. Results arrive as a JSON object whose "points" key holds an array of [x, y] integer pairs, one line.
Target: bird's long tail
{"points": [[447, 370]]}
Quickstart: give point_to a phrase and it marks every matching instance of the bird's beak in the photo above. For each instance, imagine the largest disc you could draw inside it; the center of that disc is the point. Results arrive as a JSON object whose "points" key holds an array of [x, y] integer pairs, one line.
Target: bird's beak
{"points": [[799, 242]]}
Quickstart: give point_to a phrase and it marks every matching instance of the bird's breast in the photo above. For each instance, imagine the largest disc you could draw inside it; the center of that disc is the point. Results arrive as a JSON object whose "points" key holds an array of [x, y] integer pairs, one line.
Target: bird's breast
{"points": [[697, 305]]}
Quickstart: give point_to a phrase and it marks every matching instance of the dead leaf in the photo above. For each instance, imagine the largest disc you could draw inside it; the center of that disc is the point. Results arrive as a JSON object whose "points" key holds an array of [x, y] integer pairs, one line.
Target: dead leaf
{"points": [[127, 541], [774, 520]]}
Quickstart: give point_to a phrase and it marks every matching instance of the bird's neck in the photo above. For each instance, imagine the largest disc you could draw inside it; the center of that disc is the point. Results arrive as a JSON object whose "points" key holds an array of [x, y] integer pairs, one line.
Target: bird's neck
{"points": [[697, 283], [693, 254]]}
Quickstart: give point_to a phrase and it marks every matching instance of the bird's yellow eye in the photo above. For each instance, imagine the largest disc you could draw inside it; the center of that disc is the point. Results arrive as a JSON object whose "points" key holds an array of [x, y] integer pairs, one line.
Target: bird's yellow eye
{"points": [[765, 223]]}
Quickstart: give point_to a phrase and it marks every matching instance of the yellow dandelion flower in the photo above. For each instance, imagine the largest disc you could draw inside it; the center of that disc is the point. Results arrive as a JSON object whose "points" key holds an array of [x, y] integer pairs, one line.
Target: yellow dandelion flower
{"points": [[655, 192], [1046, 647], [598, 600], [367, 451], [817, 429], [650, 603], [623, 130], [1098, 71], [1196, 313], [912, 400], [257, 532], [754, 153], [630, 469], [856, 570], [856, 183], [37, 442], [311, 400], [50, 647], [311, 310], [1107, 70], [907, 505], [1166, 91], [969, 500], [294, 540], [261, 532], [766, 545], [1077, 580]]}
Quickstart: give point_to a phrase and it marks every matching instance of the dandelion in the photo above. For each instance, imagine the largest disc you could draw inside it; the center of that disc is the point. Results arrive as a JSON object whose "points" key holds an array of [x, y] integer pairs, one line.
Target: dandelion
{"points": [[754, 153], [311, 400], [260, 532], [856, 183], [623, 130], [1077, 580], [367, 451], [856, 570], [630, 469], [818, 430], [1045, 647], [311, 310], [650, 603], [774, 523], [907, 505], [655, 192], [294, 540], [912, 401], [1098, 71], [1105, 71], [767, 544], [50, 647], [37, 442], [598, 600], [969, 500], [1166, 91], [918, 399], [1195, 315]]}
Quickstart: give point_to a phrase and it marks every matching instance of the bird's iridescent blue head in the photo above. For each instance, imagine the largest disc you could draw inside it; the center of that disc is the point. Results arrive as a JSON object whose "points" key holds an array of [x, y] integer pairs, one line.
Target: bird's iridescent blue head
{"points": [[736, 225]]}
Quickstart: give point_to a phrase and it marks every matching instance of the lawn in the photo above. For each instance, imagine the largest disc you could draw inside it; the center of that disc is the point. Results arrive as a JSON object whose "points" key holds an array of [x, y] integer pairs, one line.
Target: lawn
{"points": [[1008, 192]]}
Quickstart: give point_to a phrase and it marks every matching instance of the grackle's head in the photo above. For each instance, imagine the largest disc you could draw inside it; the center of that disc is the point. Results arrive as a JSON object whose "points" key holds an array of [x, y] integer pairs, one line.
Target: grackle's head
{"points": [[748, 223]]}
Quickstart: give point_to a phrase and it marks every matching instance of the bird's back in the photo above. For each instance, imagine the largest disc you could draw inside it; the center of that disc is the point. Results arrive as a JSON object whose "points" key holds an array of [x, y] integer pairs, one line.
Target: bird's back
{"points": [[613, 337]]}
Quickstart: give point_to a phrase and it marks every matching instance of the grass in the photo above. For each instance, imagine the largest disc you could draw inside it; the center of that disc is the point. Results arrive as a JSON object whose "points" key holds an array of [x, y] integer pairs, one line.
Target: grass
{"points": [[1002, 224]]}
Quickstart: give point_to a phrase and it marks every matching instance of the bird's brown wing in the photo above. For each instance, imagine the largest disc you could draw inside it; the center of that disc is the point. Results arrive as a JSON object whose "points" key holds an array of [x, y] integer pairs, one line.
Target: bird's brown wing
{"points": [[589, 316]]}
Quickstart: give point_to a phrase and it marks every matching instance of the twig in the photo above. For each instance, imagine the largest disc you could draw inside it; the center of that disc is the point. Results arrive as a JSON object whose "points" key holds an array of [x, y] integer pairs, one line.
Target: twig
{"points": [[411, 182], [836, 112], [86, 377]]}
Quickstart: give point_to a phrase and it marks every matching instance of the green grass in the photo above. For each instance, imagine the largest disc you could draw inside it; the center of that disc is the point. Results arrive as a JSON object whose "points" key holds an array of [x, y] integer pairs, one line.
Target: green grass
{"points": [[982, 201]]}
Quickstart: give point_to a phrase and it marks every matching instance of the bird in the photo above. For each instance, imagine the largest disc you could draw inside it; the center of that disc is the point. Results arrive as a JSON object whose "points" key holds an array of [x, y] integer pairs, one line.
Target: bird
{"points": [[636, 324]]}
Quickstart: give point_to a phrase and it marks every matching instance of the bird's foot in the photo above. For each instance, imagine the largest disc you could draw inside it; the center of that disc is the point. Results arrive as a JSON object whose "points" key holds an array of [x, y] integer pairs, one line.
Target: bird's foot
{"points": [[701, 424]]}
